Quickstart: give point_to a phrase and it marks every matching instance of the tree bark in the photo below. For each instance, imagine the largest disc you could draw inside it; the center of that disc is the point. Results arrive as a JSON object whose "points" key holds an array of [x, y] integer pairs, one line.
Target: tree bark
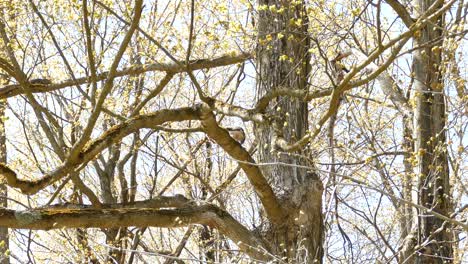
{"points": [[283, 61], [434, 237]]}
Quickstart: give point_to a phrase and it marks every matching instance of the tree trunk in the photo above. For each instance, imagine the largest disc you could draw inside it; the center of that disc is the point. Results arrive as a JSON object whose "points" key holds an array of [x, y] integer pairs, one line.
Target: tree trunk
{"points": [[282, 60], [405, 211], [206, 234], [430, 144], [4, 240], [106, 174], [4, 243]]}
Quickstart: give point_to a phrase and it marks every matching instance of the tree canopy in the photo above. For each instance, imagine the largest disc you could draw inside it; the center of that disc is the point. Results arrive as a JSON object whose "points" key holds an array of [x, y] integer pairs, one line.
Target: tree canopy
{"points": [[239, 131]]}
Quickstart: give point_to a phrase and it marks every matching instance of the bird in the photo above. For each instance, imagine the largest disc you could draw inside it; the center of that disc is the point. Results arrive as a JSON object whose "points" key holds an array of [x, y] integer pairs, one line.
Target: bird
{"points": [[40, 82], [237, 133], [337, 66]]}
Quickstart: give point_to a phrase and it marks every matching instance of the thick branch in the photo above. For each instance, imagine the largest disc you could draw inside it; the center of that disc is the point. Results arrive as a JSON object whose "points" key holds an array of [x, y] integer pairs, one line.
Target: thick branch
{"points": [[232, 110], [305, 95], [15, 89], [236, 151], [159, 202], [53, 218], [113, 135], [402, 12], [255, 114]]}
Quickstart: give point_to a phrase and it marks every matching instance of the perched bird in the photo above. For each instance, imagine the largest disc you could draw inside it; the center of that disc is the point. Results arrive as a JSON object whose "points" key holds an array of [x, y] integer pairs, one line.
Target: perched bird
{"points": [[337, 67], [40, 82], [342, 55], [237, 133]]}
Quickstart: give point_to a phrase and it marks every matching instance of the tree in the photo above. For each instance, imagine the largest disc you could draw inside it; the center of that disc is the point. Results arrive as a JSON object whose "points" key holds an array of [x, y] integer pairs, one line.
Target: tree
{"points": [[4, 231], [116, 127], [430, 141], [283, 62], [4, 241]]}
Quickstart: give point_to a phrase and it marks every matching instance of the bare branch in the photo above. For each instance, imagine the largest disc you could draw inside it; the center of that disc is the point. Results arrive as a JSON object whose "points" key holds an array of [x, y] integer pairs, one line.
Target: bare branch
{"points": [[109, 83]]}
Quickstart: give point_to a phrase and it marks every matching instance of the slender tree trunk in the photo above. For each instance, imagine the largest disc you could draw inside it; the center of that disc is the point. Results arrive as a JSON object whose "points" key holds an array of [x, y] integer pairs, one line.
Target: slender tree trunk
{"points": [[206, 234], [4, 243], [405, 211], [4, 240], [106, 174], [430, 144], [282, 60], [113, 235]]}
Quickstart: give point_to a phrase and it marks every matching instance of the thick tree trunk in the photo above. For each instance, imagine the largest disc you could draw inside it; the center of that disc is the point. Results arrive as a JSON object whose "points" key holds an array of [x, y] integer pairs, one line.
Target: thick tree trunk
{"points": [[282, 60], [430, 144]]}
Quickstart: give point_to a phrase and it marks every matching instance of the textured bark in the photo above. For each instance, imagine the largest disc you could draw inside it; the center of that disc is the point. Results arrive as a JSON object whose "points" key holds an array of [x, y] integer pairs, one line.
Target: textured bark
{"points": [[284, 62], [430, 144]]}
